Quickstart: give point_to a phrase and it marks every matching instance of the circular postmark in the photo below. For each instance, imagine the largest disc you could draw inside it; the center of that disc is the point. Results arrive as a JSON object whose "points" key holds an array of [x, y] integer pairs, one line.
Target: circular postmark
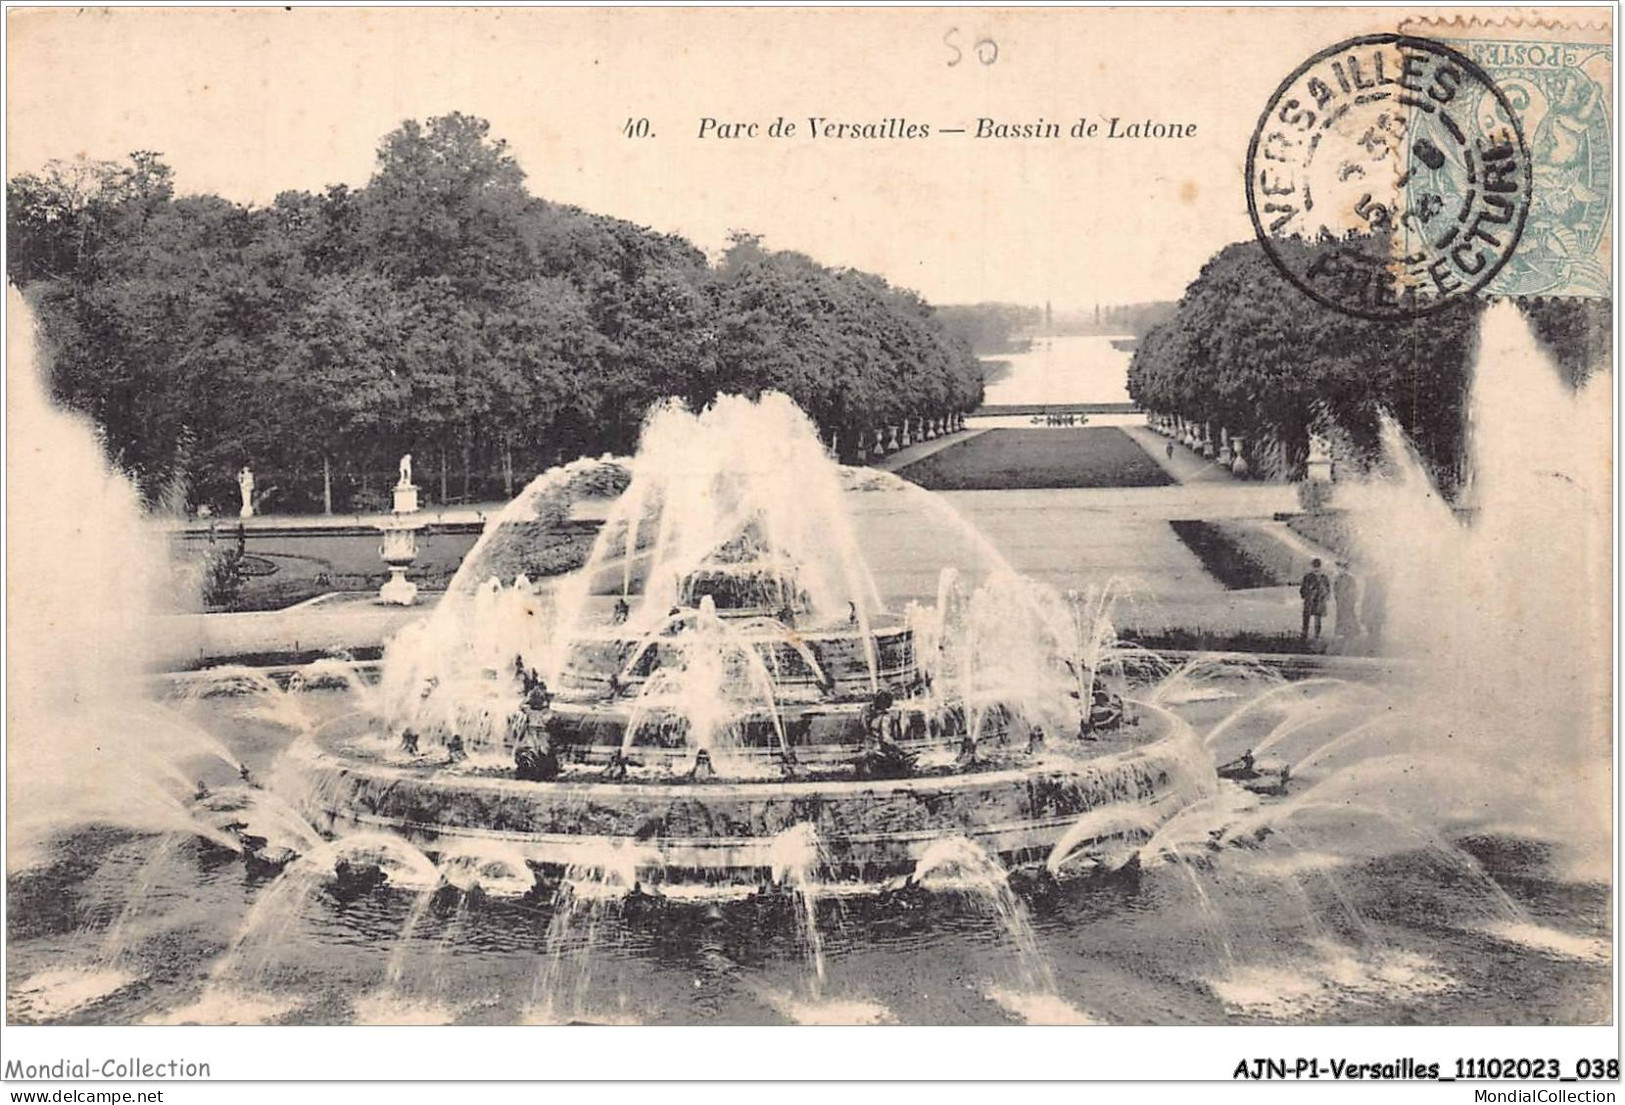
{"points": [[1387, 176]]}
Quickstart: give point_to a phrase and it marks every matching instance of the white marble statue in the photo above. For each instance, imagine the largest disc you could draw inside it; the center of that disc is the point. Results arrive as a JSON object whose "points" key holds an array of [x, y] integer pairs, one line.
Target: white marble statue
{"points": [[406, 471], [245, 484]]}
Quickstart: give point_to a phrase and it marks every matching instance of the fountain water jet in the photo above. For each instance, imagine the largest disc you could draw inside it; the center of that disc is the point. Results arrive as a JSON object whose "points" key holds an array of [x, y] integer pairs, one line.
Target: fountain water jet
{"points": [[1511, 644], [89, 572]]}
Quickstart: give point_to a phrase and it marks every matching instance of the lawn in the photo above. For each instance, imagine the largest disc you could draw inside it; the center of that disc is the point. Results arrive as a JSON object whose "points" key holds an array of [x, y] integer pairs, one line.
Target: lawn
{"points": [[1242, 554], [1330, 529], [1017, 459], [280, 569]]}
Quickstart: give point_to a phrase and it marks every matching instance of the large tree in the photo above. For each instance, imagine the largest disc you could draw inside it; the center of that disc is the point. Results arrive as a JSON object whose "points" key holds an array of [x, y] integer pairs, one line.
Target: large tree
{"points": [[447, 202]]}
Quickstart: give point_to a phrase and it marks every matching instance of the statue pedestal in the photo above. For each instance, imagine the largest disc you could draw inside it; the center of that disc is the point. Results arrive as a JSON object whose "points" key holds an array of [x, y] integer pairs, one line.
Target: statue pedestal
{"points": [[406, 498], [398, 590]]}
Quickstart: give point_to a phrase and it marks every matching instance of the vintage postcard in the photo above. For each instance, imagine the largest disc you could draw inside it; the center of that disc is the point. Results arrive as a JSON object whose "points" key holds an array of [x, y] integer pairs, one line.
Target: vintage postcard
{"points": [[806, 516]]}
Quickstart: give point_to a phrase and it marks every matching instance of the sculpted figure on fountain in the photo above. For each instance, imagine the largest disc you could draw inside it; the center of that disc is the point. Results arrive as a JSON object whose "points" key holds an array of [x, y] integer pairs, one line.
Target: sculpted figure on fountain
{"points": [[406, 492]]}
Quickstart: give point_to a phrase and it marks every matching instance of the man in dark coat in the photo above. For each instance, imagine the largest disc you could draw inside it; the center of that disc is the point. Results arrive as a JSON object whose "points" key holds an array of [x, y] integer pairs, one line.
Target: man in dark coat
{"points": [[1314, 590]]}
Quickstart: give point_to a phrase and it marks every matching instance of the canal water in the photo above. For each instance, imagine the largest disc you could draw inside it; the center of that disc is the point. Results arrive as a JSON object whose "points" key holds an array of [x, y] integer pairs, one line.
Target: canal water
{"points": [[1065, 369]]}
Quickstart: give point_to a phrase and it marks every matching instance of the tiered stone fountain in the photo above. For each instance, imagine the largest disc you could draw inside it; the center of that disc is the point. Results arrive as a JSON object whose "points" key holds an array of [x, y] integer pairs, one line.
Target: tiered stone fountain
{"points": [[721, 670]]}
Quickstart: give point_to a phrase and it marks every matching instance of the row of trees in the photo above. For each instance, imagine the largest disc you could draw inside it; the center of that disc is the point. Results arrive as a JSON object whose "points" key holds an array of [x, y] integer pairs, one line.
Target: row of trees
{"points": [[993, 328], [440, 310], [1247, 351]]}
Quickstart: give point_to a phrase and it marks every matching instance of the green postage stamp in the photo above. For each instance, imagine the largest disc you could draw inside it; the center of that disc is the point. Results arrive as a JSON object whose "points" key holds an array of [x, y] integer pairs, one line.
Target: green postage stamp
{"points": [[1558, 77]]}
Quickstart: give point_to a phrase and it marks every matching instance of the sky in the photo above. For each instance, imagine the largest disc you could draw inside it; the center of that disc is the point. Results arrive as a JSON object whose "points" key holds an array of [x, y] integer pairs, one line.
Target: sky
{"points": [[251, 102]]}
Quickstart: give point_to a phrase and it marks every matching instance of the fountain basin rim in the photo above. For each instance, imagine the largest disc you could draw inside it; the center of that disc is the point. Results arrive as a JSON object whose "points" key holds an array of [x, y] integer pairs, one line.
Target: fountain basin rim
{"points": [[695, 843], [310, 750], [368, 670], [703, 832], [735, 854]]}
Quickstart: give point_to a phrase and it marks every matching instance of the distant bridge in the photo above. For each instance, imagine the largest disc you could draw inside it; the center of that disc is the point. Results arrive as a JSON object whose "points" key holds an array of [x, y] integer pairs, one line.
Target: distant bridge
{"points": [[1055, 408]]}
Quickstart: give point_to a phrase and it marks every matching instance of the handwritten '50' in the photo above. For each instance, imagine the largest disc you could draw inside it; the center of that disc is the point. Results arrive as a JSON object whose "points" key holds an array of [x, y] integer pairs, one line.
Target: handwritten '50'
{"points": [[987, 51]]}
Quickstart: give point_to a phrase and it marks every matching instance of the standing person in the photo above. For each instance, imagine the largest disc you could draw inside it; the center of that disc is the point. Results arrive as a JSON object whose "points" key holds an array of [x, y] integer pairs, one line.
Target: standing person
{"points": [[1346, 593], [1314, 591], [1374, 609]]}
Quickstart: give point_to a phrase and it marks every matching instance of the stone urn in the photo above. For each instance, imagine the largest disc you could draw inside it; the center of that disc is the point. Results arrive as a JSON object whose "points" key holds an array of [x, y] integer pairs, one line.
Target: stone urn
{"points": [[399, 548]]}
